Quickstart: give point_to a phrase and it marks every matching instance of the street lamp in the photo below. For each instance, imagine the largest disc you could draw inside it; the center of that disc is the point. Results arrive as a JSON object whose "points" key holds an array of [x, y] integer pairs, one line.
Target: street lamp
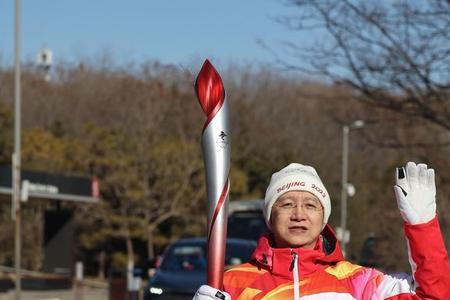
{"points": [[344, 188]]}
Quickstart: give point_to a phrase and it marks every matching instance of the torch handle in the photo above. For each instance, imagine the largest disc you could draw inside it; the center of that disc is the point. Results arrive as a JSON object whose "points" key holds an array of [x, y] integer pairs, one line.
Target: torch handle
{"points": [[217, 233]]}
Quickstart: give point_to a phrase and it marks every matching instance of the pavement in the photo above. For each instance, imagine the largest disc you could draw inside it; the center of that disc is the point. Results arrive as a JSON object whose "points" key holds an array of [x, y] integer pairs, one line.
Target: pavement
{"points": [[85, 293]]}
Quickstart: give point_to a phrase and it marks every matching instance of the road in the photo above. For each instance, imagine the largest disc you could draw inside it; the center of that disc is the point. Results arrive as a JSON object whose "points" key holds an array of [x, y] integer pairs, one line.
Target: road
{"points": [[85, 294]]}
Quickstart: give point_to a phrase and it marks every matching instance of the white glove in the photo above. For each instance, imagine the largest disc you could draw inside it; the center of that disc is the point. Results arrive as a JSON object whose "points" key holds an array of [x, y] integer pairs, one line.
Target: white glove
{"points": [[416, 193], [205, 292]]}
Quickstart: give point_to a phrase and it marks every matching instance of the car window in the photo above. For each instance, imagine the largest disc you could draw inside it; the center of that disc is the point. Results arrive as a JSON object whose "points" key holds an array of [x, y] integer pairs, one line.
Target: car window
{"points": [[185, 257], [237, 254], [192, 257], [247, 226]]}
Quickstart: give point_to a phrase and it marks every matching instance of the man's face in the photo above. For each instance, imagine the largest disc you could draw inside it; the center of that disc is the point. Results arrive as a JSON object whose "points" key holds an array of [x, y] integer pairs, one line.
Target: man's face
{"points": [[296, 220]]}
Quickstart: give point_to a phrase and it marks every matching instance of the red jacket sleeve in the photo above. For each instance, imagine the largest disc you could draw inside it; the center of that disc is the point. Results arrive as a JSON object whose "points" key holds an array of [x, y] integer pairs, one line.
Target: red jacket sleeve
{"points": [[429, 260]]}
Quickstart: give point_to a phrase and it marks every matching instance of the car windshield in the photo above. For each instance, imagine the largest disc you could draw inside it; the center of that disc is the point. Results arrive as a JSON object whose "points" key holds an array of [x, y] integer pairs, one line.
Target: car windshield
{"points": [[191, 257]]}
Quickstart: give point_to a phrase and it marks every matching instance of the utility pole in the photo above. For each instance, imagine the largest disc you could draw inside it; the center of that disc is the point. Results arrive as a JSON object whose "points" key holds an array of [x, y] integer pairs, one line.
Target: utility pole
{"points": [[16, 161]]}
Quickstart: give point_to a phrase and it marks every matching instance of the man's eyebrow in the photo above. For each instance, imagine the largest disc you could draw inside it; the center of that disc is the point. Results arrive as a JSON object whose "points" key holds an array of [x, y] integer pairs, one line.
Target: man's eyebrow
{"points": [[312, 198]]}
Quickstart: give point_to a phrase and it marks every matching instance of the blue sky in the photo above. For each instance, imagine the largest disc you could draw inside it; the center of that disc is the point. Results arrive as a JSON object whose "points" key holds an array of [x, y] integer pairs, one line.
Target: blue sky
{"points": [[171, 31]]}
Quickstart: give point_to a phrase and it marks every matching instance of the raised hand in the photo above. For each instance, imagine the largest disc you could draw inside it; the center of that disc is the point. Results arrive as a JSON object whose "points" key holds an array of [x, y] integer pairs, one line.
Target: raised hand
{"points": [[415, 192]]}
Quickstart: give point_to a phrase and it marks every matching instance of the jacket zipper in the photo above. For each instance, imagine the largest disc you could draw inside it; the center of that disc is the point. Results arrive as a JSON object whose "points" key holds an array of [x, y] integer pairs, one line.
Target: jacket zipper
{"points": [[294, 269]]}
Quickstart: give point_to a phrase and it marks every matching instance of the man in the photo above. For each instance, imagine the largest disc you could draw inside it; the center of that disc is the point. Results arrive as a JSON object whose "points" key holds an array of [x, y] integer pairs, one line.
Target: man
{"points": [[300, 256]]}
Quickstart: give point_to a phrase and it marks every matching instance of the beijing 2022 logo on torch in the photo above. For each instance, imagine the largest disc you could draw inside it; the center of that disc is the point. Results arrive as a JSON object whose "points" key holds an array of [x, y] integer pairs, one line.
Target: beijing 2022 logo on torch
{"points": [[222, 140]]}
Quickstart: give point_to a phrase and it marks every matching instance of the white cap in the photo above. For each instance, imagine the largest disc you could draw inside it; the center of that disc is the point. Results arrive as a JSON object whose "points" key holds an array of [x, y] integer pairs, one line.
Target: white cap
{"points": [[296, 177]]}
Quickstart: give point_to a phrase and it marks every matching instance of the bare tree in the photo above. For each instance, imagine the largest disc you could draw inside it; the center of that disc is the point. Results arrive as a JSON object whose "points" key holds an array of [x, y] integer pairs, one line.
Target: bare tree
{"points": [[393, 54]]}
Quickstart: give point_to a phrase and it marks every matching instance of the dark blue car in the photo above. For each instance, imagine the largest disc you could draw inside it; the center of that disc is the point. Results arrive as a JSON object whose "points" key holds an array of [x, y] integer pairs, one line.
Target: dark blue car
{"points": [[183, 267]]}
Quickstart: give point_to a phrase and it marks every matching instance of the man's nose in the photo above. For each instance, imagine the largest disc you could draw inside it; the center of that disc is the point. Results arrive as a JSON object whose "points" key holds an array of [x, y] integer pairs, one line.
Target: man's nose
{"points": [[298, 212]]}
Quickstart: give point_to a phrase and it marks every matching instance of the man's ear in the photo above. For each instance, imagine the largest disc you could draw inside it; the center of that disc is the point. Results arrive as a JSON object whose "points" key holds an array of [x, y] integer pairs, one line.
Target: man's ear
{"points": [[271, 219]]}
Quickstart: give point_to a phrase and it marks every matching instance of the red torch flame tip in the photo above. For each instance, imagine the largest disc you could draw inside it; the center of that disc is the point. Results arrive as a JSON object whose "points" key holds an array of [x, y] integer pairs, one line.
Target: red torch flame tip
{"points": [[209, 89], [207, 62]]}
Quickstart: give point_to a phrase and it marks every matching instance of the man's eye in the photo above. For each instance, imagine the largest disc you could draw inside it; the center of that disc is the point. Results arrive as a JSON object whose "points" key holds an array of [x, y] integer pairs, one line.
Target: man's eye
{"points": [[311, 206], [287, 205]]}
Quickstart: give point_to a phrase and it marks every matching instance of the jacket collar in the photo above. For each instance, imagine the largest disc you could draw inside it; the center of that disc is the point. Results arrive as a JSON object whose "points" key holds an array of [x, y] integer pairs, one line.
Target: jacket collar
{"points": [[279, 260]]}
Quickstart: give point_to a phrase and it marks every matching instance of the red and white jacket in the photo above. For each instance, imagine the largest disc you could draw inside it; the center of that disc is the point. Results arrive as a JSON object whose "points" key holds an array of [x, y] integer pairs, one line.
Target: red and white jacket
{"points": [[322, 273]]}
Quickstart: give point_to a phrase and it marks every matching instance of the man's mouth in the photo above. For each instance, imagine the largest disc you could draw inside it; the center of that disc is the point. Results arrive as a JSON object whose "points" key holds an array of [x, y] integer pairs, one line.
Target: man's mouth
{"points": [[298, 228]]}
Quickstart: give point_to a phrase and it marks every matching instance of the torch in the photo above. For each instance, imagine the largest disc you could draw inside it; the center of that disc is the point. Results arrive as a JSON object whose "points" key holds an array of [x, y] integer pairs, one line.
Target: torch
{"points": [[216, 153]]}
